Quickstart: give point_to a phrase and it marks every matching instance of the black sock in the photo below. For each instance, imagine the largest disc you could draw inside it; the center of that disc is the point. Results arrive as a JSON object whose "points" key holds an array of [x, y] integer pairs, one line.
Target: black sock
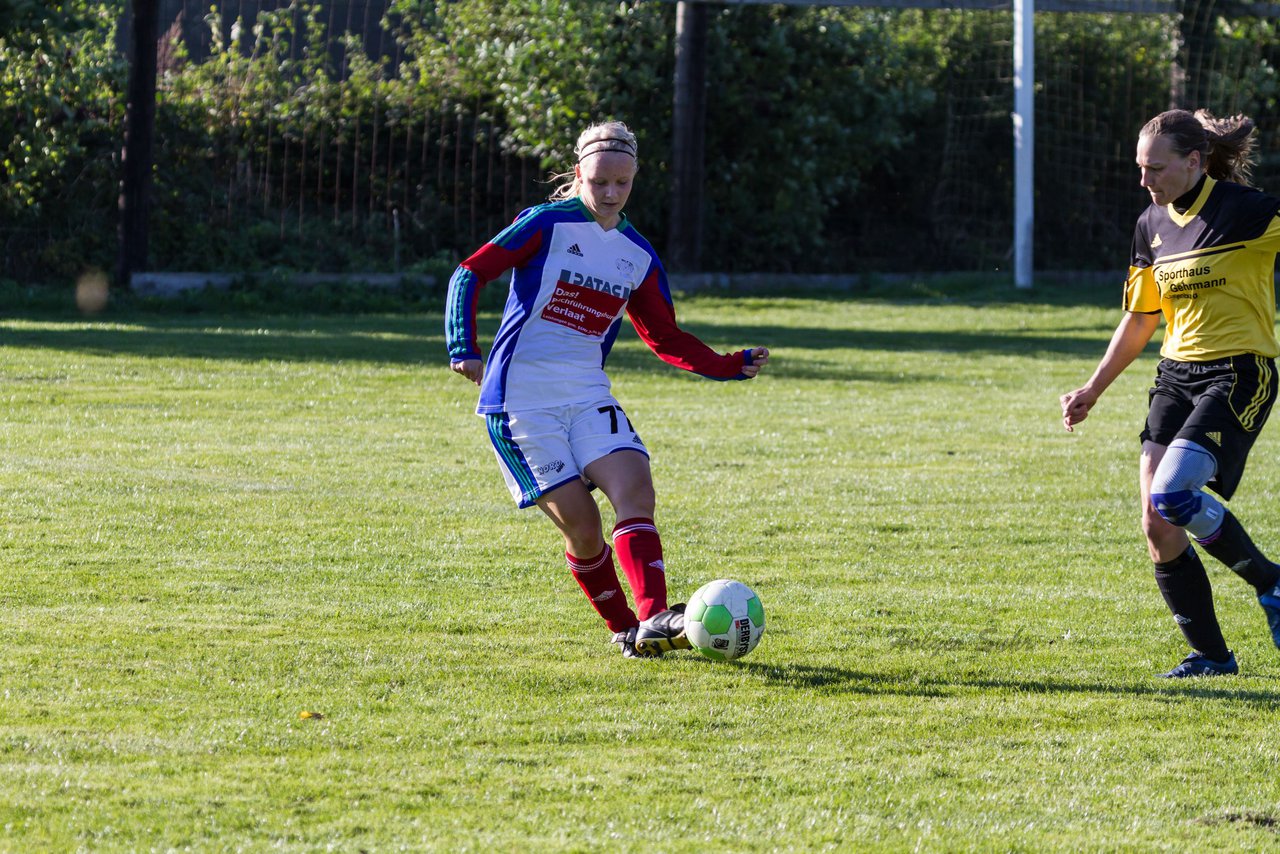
{"points": [[1185, 587], [1232, 546]]}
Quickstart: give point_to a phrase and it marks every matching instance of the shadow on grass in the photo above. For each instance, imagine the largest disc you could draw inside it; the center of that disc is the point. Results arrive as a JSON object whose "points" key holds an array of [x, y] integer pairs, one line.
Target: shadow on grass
{"points": [[388, 340], [418, 339], [842, 680], [785, 341], [1101, 288], [1087, 342]]}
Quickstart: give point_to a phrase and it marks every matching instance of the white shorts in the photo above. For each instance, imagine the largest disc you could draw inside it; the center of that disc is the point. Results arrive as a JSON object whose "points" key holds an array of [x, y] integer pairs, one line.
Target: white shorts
{"points": [[541, 449]]}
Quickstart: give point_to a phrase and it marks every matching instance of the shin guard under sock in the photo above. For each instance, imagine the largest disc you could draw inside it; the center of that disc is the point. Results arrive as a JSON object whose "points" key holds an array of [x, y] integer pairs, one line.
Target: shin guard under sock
{"points": [[1185, 587], [1231, 545], [599, 580], [640, 553]]}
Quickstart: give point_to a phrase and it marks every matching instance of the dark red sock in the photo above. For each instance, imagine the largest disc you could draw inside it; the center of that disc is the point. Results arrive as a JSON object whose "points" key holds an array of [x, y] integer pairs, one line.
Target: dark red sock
{"points": [[640, 553], [599, 580]]}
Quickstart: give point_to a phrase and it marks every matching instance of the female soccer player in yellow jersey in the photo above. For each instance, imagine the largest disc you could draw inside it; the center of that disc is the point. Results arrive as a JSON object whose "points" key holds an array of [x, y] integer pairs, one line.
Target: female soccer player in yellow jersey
{"points": [[1204, 257]]}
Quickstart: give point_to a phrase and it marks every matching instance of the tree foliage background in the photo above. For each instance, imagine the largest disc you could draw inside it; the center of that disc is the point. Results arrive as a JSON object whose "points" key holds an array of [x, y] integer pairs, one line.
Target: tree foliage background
{"points": [[60, 84], [838, 139]]}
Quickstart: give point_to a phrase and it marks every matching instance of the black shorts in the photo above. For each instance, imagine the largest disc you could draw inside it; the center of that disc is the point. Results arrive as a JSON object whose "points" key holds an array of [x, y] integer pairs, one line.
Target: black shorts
{"points": [[1219, 405]]}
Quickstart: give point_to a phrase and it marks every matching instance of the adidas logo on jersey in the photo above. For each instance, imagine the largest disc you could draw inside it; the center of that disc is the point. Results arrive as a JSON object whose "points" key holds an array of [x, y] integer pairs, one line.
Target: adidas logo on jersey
{"points": [[1156, 241], [1214, 437], [574, 250]]}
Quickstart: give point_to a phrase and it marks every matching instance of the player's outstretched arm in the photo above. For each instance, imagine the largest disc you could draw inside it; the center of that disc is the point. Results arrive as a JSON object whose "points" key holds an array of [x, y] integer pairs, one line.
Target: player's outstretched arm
{"points": [[653, 316], [1129, 339]]}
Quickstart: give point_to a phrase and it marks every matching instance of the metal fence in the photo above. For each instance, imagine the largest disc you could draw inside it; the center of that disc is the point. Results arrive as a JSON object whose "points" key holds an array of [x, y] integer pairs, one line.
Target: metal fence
{"points": [[415, 180]]}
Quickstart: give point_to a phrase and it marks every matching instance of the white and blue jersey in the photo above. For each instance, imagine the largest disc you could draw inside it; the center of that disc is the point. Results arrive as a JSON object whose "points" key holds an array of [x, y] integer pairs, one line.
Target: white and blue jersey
{"points": [[572, 281]]}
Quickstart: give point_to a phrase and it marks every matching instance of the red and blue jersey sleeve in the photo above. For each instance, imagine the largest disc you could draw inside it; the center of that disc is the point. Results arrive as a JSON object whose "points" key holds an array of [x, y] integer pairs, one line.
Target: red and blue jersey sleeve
{"points": [[518, 243], [653, 316]]}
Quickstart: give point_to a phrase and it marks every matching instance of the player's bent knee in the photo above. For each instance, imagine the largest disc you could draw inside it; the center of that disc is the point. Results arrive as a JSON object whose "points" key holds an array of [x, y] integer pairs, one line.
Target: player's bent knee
{"points": [[1176, 487], [1186, 466], [1178, 507]]}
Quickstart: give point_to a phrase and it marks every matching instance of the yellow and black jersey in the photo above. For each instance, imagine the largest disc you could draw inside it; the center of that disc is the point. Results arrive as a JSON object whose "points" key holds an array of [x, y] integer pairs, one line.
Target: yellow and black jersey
{"points": [[1211, 271]]}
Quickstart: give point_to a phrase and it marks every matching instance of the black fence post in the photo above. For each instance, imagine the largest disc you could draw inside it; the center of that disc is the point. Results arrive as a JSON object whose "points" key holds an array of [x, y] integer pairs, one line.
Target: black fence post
{"points": [[139, 134], [684, 236]]}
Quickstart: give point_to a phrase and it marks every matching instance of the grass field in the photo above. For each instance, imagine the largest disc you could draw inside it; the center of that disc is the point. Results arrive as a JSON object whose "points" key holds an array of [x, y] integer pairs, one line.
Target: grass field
{"points": [[212, 524]]}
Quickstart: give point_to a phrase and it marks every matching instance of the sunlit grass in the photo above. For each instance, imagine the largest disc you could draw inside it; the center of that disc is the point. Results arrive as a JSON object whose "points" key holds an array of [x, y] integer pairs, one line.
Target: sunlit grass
{"points": [[214, 524]]}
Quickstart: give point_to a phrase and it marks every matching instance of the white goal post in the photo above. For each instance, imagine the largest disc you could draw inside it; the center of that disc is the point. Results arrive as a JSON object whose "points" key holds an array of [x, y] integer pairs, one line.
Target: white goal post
{"points": [[1024, 140], [1022, 117]]}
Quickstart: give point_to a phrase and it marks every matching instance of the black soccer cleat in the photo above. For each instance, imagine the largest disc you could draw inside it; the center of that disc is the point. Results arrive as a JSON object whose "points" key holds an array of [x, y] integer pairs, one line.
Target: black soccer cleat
{"points": [[626, 642], [662, 632], [1270, 602], [1199, 664]]}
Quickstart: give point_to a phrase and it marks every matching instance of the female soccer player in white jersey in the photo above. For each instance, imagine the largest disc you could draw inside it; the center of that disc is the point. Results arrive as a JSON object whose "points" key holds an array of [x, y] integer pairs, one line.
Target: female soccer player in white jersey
{"points": [[556, 428], [1204, 257]]}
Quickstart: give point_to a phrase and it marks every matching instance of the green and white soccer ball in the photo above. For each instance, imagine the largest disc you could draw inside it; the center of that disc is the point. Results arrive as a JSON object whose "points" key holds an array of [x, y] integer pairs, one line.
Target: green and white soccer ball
{"points": [[724, 620]]}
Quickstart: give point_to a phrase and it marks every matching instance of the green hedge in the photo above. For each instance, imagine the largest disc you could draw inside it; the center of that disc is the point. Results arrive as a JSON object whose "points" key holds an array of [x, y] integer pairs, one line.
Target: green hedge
{"points": [[838, 140]]}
